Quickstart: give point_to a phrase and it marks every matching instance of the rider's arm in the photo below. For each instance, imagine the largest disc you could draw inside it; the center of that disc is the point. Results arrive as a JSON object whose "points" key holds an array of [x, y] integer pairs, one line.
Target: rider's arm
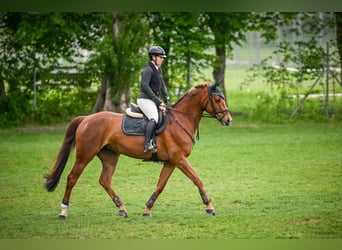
{"points": [[146, 74]]}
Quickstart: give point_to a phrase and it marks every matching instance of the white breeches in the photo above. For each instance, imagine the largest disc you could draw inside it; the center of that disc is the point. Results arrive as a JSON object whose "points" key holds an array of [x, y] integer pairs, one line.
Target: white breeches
{"points": [[149, 108]]}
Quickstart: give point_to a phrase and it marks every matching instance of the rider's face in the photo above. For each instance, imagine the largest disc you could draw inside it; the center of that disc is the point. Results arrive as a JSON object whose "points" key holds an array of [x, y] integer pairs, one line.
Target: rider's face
{"points": [[158, 60]]}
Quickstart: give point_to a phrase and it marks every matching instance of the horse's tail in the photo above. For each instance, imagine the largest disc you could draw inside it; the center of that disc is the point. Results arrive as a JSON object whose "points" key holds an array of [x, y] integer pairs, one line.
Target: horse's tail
{"points": [[69, 142]]}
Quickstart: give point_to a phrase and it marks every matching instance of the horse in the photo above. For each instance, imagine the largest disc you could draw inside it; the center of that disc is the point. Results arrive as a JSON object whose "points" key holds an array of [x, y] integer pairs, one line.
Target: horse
{"points": [[100, 134]]}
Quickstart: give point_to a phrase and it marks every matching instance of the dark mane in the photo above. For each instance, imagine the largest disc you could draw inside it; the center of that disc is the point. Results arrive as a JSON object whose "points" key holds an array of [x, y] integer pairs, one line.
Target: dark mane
{"points": [[192, 92]]}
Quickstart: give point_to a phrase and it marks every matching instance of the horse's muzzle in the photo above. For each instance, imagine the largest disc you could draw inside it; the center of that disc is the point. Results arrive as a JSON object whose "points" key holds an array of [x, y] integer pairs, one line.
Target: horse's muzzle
{"points": [[225, 119], [226, 122]]}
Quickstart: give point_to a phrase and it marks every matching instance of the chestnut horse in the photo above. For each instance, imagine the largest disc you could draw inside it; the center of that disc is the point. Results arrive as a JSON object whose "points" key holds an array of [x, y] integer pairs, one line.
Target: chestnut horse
{"points": [[101, 134]]}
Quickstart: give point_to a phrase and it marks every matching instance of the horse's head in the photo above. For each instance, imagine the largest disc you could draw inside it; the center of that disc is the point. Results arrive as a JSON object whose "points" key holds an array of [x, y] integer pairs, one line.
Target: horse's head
{"points": [[216, 105]]}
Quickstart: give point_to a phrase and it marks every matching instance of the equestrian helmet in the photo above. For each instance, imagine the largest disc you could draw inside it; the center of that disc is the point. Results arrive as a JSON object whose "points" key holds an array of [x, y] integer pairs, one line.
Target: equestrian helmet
{"points": [[157, 51]]}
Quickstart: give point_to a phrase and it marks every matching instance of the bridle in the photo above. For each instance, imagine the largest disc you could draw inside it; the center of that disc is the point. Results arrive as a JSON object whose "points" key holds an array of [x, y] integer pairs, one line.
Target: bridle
{"points": [[214, 114], [209, 100]]}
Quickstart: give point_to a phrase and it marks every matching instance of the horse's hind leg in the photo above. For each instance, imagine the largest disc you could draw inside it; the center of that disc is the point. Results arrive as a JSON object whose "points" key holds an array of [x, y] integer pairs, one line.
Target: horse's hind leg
{"points": [[164, 176], [73, 176], [109, 160]]}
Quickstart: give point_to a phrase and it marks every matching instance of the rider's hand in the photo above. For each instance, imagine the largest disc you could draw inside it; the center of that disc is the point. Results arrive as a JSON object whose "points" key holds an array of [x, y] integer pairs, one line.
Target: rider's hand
{"points": [[166, 100], [162, 106]]}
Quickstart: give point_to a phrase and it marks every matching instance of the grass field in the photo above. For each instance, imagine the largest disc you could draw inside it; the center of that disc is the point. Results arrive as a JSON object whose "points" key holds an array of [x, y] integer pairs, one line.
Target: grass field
{"points": [[266, 182]]}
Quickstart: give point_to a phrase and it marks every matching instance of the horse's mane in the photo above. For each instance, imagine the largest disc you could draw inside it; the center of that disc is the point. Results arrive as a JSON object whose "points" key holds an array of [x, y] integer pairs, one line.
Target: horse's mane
{"points": [[192, 92]]}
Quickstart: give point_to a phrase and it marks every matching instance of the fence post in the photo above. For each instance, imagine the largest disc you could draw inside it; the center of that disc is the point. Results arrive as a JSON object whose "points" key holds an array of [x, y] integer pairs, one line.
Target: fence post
{"points": [[35, 90], [327, 83]]}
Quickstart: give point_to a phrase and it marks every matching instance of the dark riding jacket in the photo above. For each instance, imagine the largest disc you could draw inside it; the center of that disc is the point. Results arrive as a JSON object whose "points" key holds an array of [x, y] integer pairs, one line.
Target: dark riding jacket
{"points": [[152, 84]]}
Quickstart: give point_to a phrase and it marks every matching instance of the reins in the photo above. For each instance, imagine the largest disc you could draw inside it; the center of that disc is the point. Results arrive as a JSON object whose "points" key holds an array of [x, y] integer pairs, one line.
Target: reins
{"points": [[181, 126]]}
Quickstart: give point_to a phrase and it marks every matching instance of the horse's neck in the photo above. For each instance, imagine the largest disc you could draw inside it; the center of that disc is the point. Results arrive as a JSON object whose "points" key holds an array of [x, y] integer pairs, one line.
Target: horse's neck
{"points": [[189, 113], [190, 108]]}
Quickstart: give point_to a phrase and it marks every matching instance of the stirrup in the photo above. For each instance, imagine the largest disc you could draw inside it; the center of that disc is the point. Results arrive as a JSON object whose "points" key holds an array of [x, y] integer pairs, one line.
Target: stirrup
{"points": [[150, 146]]}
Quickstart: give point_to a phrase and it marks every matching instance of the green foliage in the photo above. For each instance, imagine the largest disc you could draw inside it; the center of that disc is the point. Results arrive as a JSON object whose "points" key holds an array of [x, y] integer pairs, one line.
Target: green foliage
{"points": [[15, 109], [37, 42], [60, 104], [55, 105], [118, 56], [272, 108], [186, 41], [302, 62], [130, 37]]}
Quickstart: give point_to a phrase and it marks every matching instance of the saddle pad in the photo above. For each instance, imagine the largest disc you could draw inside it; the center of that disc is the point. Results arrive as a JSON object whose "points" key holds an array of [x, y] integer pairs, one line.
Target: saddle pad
{"points": [[136, 126], [133, 126]]}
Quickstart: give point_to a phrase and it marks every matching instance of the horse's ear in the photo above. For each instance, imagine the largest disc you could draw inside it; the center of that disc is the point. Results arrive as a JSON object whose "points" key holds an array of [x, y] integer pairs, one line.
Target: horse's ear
{"points": [[218, 83], [214, 89]]}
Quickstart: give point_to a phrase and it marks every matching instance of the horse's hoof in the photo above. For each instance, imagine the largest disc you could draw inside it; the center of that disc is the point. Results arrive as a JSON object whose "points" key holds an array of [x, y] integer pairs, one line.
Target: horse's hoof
{"points": [[123, 213], [62, 217], [147, 215], [210, 212]]}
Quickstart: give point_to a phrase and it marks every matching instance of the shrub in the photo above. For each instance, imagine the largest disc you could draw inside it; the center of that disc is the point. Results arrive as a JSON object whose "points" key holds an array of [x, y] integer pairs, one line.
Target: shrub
{"points": [[61, 104], [15, 109]]}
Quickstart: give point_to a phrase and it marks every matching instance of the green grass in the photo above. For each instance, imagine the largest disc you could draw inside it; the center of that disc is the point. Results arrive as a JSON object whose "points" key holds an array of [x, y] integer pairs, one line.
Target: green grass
{"points": [[265, 181]]}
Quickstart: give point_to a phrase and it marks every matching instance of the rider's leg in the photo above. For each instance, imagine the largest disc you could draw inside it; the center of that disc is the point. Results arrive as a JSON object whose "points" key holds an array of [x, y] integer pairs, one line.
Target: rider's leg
{"points": [[150, 145], [151, 112]]}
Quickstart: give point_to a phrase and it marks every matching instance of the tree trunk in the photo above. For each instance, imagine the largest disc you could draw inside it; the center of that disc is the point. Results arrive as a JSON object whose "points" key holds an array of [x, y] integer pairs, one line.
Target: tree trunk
{"points": [[219, 27], [121, 105], [103, 101], [108, 104], [120, 92], [125, 100], [2, 88], [220, 67], [338, 16]]}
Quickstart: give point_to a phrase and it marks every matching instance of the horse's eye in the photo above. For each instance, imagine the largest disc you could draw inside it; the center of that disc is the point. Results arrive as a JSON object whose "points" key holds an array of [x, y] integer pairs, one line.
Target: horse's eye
{"points": [[218, 100]]}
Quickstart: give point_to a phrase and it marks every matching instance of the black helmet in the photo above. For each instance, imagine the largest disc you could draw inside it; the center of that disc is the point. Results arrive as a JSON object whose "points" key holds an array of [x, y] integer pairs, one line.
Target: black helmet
{"points": [[157, 51]]}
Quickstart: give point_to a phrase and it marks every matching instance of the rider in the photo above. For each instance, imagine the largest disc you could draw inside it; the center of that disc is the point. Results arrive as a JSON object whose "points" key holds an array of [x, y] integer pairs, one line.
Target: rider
{"points": [[152, 87]]}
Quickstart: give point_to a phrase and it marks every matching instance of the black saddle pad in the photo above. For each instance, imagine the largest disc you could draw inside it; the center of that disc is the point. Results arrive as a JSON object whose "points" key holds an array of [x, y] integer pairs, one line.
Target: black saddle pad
{"points": [[136, 126]]}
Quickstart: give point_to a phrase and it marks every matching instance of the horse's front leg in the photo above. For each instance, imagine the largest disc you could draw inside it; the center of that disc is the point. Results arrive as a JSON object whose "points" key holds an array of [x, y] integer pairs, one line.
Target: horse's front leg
{"points": [[210, 208], [163, 178], [185, 166], [109, 160]]}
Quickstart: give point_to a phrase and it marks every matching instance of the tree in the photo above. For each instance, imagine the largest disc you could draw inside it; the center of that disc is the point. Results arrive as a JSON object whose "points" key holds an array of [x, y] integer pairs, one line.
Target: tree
{"points": [[185, 42], [38, 41], [119, 58], [34, 42], [119, 42], [230, 28], [227, 29]]}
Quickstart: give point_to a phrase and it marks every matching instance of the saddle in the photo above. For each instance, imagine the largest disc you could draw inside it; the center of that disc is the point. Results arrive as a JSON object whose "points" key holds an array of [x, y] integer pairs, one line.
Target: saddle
{"points": [[134, 121]]}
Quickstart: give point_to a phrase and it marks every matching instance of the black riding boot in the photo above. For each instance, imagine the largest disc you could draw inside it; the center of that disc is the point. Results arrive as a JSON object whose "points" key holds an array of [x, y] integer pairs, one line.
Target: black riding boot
{"points": [[150, 145]]}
